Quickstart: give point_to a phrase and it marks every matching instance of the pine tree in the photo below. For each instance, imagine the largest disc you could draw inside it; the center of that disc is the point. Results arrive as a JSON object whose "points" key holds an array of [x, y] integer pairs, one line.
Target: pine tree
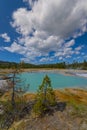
{"points": [[16, 85], [45, 96]]}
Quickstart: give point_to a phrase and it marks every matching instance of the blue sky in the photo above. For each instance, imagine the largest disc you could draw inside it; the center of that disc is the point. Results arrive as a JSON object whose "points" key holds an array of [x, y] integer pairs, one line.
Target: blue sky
{"points": [[43, 31]]}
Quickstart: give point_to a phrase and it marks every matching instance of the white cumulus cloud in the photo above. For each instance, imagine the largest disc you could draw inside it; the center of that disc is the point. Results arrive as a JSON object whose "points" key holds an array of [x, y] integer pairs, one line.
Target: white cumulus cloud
{"points": [[47, 26], [57, 17], [5, 37]]}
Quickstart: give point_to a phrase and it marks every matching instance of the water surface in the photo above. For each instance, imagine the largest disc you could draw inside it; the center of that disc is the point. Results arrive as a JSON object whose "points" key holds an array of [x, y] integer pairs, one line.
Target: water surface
{"points": [[58, 80]]}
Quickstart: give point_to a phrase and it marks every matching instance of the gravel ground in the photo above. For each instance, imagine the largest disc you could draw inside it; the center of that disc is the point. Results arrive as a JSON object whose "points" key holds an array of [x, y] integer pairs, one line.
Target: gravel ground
{"points": [[59, 121]]}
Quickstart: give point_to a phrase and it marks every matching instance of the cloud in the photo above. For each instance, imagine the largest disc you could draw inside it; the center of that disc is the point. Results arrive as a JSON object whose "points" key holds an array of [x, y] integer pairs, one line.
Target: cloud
{"points": [[66, 49], [5, 37], [70, 43], [22, 21], [53, 17], [16, 48], [35, 51], [79, 48], [46, 27]]}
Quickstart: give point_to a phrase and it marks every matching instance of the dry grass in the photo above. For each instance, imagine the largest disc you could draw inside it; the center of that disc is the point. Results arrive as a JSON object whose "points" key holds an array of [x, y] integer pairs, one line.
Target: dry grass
{"points": [[79, 95]]}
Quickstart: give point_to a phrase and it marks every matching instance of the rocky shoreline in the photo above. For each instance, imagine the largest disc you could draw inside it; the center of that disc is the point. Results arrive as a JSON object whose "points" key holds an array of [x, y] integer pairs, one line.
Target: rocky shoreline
{"points": [[63, 71]]}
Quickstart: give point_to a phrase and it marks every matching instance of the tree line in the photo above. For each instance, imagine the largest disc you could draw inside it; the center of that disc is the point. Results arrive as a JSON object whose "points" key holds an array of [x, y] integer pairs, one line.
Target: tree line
{"points": [[61, 65]]}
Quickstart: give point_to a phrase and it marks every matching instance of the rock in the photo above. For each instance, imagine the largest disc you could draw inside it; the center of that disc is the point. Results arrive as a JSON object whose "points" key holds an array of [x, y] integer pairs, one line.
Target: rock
{"points": [[61, 106], [3, 85]]}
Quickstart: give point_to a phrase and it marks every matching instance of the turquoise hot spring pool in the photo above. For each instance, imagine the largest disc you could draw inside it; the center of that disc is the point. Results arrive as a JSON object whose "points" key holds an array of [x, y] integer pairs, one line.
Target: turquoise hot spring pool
{"points": [[58, 81]]}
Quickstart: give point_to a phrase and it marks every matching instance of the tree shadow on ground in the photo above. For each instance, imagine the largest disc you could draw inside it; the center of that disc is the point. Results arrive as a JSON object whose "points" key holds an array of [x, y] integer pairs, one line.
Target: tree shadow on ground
{"points": [[60, 106]]}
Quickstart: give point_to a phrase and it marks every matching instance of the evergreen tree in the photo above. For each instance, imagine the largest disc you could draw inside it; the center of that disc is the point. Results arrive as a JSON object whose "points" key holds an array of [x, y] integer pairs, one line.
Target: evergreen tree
{"points": [[45, 96], [15, 83]]}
